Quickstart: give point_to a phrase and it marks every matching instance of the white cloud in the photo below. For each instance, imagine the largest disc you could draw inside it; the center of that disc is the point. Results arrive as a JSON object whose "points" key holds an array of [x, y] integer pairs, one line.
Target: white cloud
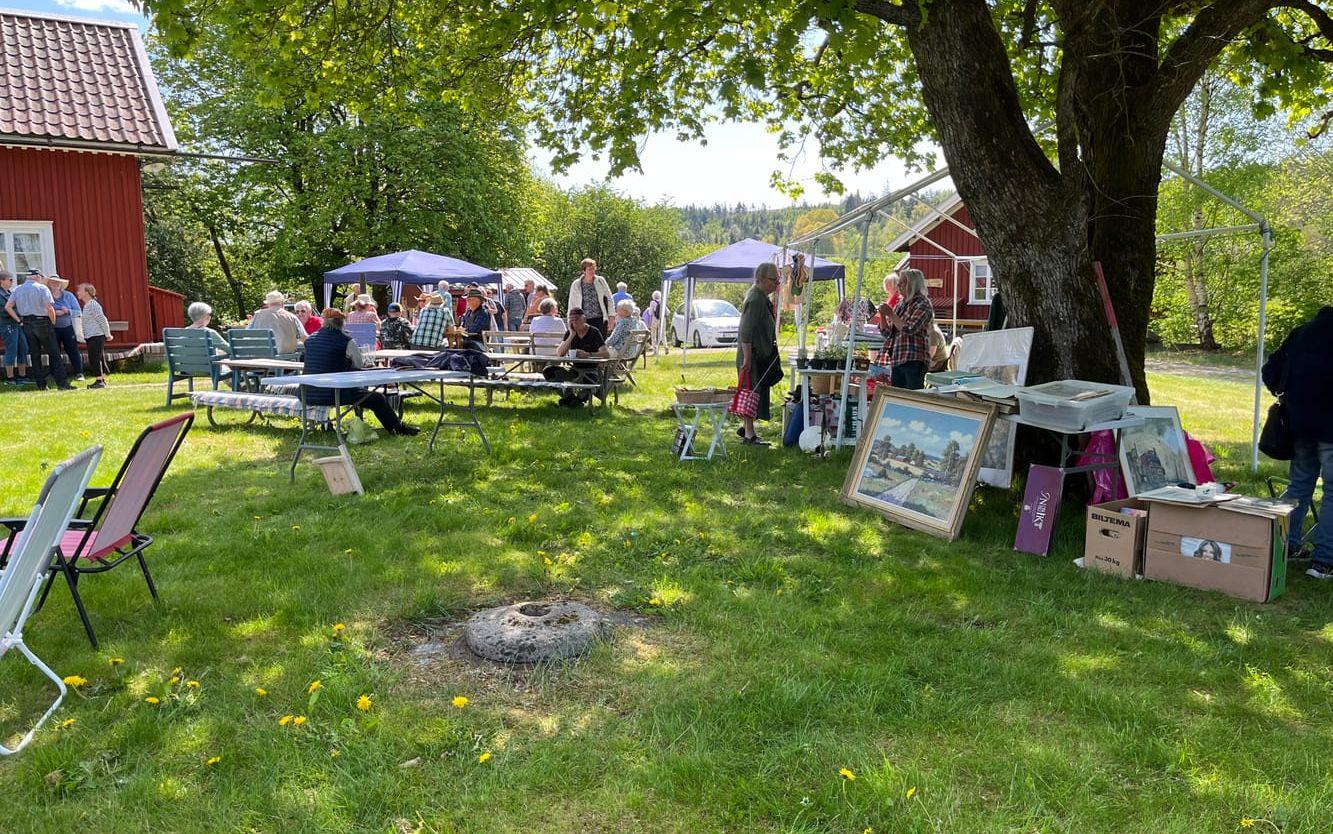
{"points": [[963, 440], [115, 6], [918, 427]]}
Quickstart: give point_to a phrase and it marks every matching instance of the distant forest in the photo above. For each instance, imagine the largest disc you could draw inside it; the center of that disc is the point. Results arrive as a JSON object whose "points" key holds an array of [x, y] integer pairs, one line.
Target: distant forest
{"points": [[706, 227]]}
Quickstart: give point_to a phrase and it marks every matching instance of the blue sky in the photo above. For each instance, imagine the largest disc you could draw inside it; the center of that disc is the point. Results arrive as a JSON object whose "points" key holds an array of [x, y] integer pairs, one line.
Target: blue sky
{"points": [[733, 167]]}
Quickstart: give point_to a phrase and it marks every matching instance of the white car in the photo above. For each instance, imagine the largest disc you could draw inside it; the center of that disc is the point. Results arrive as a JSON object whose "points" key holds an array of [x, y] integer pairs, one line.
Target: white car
{"points": [[713, 323]]}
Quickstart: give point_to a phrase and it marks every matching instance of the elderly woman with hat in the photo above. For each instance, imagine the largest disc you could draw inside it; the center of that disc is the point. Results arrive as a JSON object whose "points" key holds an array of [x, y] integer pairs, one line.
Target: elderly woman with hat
{"points": [[67, 310], [288, 332], [332, 351], [363, 311], [477, 319]]}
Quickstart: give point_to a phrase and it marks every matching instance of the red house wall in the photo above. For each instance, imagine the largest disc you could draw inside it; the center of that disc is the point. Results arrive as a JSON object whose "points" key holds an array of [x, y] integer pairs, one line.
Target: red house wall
{"points": [[939, 266], [95, 206]]}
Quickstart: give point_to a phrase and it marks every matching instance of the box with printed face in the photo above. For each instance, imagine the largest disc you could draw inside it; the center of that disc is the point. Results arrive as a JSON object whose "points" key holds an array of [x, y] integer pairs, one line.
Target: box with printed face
{"points": [[1238, 547], [1114, 540]]}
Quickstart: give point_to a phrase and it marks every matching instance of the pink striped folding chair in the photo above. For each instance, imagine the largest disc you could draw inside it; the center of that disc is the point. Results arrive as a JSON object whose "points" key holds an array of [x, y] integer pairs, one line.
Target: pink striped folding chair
{"points": [[30, 561], [111, 537]]}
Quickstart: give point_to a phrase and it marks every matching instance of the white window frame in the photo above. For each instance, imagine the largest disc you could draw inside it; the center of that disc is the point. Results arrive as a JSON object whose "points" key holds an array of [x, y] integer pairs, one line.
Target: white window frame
{"points": [[976, 292], [44, 229]]}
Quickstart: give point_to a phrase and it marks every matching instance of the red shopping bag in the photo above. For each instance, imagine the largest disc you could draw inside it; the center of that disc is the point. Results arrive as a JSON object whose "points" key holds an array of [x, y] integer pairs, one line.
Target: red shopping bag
{"points": [[745, 402]]}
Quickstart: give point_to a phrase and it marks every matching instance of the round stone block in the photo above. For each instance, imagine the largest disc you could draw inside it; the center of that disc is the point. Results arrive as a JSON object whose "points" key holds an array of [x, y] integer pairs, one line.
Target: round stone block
{"points": [[529, 632]]}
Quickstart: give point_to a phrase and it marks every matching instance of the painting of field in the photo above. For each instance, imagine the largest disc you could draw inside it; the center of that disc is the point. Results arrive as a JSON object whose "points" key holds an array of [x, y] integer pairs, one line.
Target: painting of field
{"points": [[917, 458]]}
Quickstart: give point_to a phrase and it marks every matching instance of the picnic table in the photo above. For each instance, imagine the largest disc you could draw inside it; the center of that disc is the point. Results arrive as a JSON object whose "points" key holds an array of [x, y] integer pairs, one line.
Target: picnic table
{"points": [[421, 381]]}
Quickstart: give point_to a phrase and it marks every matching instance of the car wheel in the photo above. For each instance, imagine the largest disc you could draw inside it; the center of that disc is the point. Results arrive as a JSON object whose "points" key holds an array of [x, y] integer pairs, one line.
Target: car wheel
{"points": [[675, 337], [698, 342]]}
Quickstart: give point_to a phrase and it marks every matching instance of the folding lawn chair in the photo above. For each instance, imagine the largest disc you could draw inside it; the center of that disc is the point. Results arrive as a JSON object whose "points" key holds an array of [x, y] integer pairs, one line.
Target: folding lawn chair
{"points": [[362, 333], [22, 577], [110, 537]]}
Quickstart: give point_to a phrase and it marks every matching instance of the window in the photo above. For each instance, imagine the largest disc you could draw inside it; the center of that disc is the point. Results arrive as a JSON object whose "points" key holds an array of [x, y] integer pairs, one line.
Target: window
{"points": [[26, 245], [982, 287]]}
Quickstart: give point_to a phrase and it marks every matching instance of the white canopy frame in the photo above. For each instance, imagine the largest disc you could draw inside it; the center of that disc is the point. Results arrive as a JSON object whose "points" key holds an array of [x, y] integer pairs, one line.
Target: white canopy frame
{"points": [[865, 212]]}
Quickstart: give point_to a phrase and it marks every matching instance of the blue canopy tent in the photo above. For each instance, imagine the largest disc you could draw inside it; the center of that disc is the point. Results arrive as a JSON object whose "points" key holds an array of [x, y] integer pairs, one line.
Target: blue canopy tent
{"points": [[398, 269], [735, 264]]}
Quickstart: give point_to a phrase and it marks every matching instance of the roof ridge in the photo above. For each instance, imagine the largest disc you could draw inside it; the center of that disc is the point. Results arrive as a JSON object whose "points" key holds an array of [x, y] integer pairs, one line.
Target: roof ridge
{"points": [[65, 18]]}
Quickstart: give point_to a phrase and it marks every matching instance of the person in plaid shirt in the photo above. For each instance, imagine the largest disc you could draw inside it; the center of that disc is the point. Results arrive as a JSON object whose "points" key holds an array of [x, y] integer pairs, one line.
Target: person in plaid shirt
{"points": [[432, 321], [906, 330]]}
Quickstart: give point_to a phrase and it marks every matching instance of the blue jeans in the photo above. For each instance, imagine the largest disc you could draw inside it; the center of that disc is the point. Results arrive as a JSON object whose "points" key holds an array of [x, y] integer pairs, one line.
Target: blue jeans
{"points": [[16, 344], [1313, 460]]}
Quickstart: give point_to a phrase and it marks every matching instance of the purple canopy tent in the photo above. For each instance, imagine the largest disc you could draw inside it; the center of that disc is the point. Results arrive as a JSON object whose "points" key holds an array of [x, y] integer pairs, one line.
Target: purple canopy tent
{"points": [[735, 264], [399, 269]]}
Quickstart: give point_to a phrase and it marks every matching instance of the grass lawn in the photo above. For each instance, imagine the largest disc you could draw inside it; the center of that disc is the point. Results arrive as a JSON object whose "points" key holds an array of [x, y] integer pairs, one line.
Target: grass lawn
{"points": [[967, 688]]}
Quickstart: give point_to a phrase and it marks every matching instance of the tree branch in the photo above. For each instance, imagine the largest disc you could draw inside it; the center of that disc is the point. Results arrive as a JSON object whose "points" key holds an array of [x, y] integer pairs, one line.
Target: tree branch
{"points": [[1323, 21], [895, 13]]}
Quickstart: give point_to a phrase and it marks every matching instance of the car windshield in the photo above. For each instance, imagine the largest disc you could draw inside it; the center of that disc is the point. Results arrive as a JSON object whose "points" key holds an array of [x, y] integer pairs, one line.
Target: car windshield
{"points": [[714, 307]]}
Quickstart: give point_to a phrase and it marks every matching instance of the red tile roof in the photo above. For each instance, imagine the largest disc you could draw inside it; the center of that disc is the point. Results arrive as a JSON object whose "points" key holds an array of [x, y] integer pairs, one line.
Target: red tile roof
{"points": [[76, 83]]}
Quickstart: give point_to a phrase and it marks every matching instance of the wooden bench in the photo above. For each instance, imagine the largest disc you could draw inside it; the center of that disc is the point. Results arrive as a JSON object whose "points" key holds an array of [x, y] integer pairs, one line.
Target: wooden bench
{"points": [[506, 341], [274, 405], [532, 383]]}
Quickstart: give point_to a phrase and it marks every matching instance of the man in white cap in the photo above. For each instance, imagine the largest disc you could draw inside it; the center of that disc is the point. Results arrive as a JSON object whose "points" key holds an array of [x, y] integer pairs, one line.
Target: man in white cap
{"points": [[288, 332]]}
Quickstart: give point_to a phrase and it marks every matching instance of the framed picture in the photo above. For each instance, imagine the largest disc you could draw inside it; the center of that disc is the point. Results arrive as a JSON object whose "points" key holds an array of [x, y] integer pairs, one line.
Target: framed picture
{"points": [[1001, 356], [1154, 454], [917, 458]]}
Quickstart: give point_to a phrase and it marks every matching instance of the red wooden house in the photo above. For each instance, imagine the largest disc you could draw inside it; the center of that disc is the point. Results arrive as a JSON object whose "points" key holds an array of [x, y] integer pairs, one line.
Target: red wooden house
{"points": [[945, 248], [79, 108]]}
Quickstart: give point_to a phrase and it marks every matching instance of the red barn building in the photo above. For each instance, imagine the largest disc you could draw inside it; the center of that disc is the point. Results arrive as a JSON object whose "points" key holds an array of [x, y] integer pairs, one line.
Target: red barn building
{"points": [[954, 261], [79, 108]]}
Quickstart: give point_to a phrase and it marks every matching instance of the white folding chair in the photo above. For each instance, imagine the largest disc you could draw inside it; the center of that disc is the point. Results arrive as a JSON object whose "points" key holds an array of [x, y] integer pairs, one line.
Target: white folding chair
{"points": [[30, 560]]}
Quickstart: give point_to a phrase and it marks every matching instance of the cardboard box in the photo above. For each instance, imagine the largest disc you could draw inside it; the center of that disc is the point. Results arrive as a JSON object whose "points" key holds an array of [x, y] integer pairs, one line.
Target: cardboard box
{"points": [[1238, 547], [1114, 541]]}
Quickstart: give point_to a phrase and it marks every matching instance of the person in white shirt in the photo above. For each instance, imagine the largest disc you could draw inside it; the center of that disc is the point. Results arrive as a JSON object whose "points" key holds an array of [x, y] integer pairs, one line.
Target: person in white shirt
{"points": [[96, 333], [547, 329], [288, 332]]}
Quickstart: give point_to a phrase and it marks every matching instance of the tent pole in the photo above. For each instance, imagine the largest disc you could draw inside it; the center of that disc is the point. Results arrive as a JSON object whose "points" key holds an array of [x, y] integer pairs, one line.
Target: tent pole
{"points": [[689, 303], [852, 333], [955, 294], [659, 325], [1267, 234]]}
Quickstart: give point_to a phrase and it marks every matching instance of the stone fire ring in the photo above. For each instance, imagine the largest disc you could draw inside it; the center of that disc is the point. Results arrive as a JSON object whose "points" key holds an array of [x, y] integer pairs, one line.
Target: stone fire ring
{"points": [[530, 632]]}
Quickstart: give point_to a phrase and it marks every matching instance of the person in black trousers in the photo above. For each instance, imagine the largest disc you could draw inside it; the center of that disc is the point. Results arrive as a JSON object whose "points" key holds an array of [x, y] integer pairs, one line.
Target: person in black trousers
{"points": [[31, 301], [332, 351]]}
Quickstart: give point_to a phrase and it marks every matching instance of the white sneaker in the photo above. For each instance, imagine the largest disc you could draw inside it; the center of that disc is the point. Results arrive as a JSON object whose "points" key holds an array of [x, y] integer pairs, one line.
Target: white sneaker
{"points": [[1320, 572]]}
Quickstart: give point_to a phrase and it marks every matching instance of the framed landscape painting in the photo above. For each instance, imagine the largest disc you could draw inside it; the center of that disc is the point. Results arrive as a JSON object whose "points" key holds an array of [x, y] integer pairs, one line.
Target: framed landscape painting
{"points": [[1000, 356], [1154, 454], [917, 458]]}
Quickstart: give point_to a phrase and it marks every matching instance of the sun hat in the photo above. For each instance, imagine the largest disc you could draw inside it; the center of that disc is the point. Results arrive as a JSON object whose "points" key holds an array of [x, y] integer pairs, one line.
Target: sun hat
{"points": [[476, 293], [434, 298], [275, 297], [63, 281]]}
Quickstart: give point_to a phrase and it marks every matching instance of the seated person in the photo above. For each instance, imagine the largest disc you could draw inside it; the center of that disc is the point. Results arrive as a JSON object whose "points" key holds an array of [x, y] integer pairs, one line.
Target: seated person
{"points": [[331, 350], [938, 349], [477, 320], [201, 316], [363, 311], [547, 329], [395, 331], [432, 322], [618, 340], [534, 310], [582, 341]]}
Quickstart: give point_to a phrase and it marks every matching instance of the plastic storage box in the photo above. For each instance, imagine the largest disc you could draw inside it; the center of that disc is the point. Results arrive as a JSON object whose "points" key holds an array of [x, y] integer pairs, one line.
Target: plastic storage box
{"points": [[1072, 404]]}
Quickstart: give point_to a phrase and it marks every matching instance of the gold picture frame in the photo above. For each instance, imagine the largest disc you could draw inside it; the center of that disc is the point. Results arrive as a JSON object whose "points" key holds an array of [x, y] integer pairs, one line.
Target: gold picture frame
{"points": [[917, 458]]}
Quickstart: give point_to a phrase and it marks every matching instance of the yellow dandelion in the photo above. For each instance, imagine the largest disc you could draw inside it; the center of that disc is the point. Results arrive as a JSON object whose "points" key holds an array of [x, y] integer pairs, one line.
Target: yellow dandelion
{"points": [[335, 753], [261, 691], [116, 661], [296, 527], [67, 723], [847, 774], [175, 679], [348, 551], [314, 687], [152, 699], [546, 560], [484, 757], [460, 701], [285, 720], [175, 673], [1246, 822], [364, 703], [192, 684], [911, 792], [338, 628], [213, 760], [75, 681], [868, 830], [532, 518], [258, 517], [298, 721], [655, 601]]}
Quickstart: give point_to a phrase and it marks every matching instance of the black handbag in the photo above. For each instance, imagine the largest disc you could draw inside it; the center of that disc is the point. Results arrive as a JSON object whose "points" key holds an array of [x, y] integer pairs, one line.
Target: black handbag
{"points": [[1276, 440]]}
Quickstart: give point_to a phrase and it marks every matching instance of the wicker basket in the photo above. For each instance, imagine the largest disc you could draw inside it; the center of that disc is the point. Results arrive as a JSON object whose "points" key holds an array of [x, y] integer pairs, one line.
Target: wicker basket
{"points": [[704, 396]]}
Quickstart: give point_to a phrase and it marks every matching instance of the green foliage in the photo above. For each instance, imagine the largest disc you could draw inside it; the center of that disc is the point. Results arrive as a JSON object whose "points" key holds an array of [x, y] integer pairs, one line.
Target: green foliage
{"points": [[630, 242]]}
